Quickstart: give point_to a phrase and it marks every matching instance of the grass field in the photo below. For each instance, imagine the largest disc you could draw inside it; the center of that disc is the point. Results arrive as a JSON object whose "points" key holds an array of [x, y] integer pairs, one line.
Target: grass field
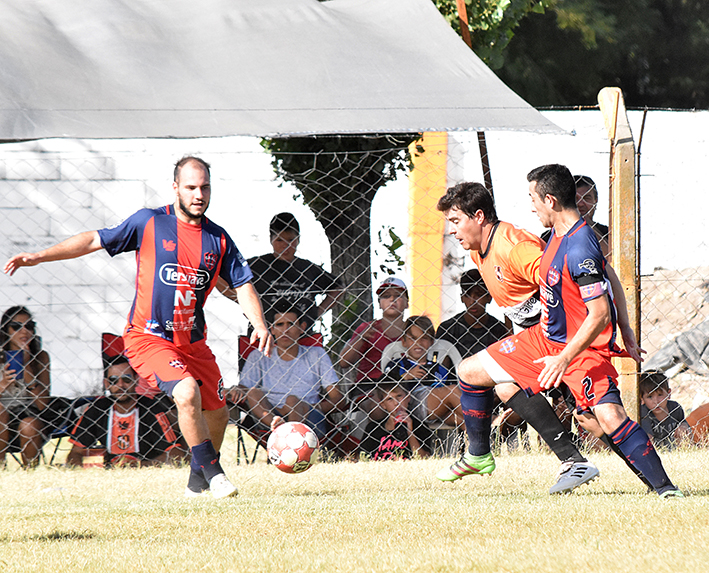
{"points": [[366, 516]]}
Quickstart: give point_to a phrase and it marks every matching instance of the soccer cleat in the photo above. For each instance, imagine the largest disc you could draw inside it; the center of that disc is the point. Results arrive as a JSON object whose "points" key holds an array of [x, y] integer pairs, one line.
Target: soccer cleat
{"points": [[467, 465], [572, 475], [221, 487], [671, 493]]}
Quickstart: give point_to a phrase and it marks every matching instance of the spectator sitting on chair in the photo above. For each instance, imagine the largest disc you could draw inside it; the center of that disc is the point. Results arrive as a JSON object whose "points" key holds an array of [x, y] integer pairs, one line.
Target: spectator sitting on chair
{"points": [[281, 274], [364, 349], [473, 329], [134, 430], [662, 418], [24, 386], [289, 382], [400, 435], [435, 395]]}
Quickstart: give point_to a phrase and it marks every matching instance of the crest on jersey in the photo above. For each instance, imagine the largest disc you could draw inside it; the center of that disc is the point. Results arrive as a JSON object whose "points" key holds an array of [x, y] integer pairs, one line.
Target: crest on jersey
{"points": [[210, 261], [177, 363], [498, 274], [553, 276], [220, 388], [588, 265], [508, 346]]}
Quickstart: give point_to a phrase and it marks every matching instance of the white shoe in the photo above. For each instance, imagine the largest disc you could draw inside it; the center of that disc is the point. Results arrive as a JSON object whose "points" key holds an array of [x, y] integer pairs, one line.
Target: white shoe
{"points": [[220, 486], [572, 475]]}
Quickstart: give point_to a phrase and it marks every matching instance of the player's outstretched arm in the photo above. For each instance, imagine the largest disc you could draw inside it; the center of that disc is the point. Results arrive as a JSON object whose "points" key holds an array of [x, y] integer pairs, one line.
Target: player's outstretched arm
{"points": [[596, 320], [251, 305], [71, 248], [626, 331]]}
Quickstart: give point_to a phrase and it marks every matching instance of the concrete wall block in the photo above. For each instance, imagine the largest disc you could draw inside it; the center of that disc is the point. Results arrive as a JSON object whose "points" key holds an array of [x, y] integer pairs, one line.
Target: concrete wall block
{"points": [[91, 167], [32, 167], [116, 200], [34, 296], [81, 300], [24, 224]]}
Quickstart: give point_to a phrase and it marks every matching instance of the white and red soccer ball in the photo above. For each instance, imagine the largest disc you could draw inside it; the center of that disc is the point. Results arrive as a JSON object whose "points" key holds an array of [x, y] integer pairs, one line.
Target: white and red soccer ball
{"points": [[291, 447]]}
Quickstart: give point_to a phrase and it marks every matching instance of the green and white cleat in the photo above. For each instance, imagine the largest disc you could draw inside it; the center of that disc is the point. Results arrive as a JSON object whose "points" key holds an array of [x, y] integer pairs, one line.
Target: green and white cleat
{"points": [[468, 465], [671, 493]]}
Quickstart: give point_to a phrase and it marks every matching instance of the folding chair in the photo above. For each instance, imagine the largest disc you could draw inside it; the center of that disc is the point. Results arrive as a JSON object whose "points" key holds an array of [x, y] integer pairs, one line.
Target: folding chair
{"points": [[59, 417]]}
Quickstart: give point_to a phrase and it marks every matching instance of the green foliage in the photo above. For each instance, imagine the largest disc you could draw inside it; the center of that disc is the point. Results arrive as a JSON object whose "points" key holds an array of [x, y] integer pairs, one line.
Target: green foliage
{"points": [[392, 257], [491, 23], [656, 51]]}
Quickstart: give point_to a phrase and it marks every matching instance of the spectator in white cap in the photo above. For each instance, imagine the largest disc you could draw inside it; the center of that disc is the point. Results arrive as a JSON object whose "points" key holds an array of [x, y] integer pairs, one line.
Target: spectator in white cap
{"points": [[364, 349]]}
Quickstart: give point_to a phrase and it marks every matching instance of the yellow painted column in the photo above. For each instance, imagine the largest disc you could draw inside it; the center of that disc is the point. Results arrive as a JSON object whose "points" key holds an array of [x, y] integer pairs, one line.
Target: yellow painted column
{"points": [[427, 183]]}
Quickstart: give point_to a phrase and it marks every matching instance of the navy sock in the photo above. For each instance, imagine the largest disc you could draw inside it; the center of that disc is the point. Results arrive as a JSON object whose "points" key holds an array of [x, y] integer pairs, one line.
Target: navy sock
{"points": [[636, 446], [477, 402], [541, 416], [621, 455], [206, 459]]}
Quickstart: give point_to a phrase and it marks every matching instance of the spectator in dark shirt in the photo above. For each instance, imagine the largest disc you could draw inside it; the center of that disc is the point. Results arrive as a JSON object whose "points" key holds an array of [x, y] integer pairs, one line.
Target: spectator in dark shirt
{"points": [[399, 435], [281, 275], [473, 329], [662, 418]]}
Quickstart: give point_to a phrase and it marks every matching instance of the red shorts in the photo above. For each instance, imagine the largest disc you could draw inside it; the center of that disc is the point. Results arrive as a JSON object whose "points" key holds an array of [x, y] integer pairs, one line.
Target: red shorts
{"points": [[163, 365], [590, 376]]}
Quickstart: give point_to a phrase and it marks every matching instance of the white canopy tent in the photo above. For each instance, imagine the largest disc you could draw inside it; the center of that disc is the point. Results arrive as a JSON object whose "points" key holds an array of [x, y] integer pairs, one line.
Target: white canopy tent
{"points": [[139, 68]]}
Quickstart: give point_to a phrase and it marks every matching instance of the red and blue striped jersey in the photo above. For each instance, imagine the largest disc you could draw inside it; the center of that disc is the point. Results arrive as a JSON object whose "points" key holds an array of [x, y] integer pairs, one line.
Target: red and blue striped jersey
{"points": [[178, 266], [571, 272]]}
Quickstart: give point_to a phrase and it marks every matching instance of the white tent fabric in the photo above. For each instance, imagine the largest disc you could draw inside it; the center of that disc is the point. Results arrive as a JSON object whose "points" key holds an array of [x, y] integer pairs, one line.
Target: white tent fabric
{"points": [[140, 68]]}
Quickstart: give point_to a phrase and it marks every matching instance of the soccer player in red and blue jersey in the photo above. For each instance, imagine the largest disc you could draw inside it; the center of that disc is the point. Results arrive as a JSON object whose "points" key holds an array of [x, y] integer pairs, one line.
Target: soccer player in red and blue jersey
{"points": [[574, 341], [181, 256]]}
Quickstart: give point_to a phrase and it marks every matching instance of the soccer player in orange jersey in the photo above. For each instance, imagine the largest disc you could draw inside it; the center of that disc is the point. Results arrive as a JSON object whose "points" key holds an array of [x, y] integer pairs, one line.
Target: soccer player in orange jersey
{"points": [[573, 342]]}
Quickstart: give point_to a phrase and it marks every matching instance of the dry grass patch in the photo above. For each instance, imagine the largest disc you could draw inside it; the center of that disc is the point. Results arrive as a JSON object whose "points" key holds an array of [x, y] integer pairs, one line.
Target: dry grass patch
{"points": [[374, 516]]}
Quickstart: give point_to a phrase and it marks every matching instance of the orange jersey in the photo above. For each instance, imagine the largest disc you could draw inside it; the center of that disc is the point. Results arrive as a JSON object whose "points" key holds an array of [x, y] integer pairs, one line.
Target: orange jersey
{"points": [[510, 269]]}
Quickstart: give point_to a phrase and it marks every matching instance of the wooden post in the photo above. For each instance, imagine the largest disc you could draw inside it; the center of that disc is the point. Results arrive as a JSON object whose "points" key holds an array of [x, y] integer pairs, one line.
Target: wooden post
{"points": [[624, 225]]}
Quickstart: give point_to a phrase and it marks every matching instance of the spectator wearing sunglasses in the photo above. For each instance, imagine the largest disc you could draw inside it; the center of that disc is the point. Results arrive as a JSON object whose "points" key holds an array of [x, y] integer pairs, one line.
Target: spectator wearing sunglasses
{"points": [[24, 386], [134, 430]]}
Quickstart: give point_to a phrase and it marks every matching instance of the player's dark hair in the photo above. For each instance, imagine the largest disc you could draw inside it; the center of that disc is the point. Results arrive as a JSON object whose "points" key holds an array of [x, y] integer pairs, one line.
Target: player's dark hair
{"points": [[555, 180], [651, 381], [586, 181], [189, 159], [469, 197], [9, 316], [422, 322]]}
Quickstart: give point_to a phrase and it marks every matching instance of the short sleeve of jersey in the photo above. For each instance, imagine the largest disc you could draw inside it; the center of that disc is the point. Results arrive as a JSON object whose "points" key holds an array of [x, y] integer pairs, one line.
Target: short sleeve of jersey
{"points": [[127, 235], [90, 428], [235, 270], [585, 263], [524, 259]]}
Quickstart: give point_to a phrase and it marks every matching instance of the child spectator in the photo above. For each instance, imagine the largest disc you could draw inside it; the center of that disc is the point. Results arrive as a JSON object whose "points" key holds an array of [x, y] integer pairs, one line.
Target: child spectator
{"points": [[364, 349], [662, 418], [24, 386], [433, 390], [400, 435], [289, 382], [473, 329]]}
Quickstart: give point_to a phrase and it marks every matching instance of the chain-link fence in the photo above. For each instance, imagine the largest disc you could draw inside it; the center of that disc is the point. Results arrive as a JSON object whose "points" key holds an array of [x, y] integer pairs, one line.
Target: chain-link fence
{"points": [[361, 217]]}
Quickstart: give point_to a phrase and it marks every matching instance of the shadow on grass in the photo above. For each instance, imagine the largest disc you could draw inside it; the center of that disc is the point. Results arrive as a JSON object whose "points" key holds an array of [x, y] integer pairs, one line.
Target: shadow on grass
{"points": [[53, 536]]}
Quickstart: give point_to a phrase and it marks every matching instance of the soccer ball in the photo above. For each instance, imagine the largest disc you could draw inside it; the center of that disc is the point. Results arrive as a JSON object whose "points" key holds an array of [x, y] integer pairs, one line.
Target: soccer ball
{"points": [[291, 447]]}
